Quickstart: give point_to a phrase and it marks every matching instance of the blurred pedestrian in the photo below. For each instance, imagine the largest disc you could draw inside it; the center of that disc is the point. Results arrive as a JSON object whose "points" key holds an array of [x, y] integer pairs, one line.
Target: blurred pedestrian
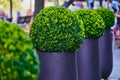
{"points": [[115, 5], [65, 4], [77, 6], [18, 14], [2, 16], [90, 4], [104, 4]]}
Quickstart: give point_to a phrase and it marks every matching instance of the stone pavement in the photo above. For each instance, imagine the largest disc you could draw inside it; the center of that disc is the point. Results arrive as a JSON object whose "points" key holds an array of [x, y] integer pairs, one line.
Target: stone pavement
{"points": [[115, 75]]}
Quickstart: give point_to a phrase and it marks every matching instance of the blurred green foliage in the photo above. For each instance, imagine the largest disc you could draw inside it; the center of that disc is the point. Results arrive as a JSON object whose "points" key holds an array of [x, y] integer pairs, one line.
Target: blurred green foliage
{"points": [[5, 5], [18, 60], [57, 29], [107, 15], [93, 23]]}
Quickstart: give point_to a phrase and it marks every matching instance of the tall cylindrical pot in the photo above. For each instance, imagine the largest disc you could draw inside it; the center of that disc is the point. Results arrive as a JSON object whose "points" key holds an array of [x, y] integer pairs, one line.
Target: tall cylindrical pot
{"points": [[88, 66], [57, 66], [105, 53]]}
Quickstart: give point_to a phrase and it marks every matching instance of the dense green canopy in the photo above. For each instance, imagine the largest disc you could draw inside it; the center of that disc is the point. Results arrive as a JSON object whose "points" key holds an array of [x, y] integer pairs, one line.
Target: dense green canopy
{"points": [[57, 29]]}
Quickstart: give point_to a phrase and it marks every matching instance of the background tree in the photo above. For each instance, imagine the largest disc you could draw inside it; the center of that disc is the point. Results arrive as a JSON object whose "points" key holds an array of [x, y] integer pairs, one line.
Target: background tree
{"points": [[5, 4], [39, 4], [100, 3], [56, 2]]}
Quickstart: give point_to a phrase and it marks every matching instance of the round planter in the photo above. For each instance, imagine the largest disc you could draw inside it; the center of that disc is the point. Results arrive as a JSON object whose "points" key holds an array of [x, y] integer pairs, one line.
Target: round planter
{"points": [[88, 60], [57, 66], [105, 53]]}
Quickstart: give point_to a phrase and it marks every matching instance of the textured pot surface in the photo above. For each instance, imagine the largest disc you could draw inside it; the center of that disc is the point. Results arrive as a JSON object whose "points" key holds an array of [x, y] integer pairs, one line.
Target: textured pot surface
{"points": [[57, 66], [88, 60], [105, 53]]}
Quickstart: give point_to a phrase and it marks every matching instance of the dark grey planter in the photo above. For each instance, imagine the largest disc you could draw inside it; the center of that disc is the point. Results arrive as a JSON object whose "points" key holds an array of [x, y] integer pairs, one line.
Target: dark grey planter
{"points": [[88, 60], [105, 53], [57, 66]]}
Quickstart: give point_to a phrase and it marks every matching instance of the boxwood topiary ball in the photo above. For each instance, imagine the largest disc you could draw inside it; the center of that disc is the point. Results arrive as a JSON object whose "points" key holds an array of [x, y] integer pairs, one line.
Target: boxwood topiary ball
{"points": [[107, 15], [56, 29], [18, 60], [93, 23]]}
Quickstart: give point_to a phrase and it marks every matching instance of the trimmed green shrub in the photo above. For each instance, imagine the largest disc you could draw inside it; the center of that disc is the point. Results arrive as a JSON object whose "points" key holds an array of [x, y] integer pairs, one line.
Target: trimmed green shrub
{"points": [[107, 15], [56, 29], [93, 23], [18, 60]]}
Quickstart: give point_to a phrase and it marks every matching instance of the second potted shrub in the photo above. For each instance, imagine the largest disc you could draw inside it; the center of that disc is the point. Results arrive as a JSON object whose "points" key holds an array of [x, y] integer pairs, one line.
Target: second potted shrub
{"points": [[87, 56], [105, 42], [57, 34]]}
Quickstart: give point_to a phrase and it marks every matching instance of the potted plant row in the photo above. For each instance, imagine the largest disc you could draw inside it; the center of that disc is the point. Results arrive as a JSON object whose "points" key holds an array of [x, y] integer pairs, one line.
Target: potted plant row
{"points": [[57, 33], [18, 60], [88, 55], [105, 42]]}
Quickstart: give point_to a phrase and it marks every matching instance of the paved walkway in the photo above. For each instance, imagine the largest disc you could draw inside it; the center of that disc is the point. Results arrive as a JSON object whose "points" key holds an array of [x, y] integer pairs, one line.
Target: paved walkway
{"points": [[115, 75]]}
